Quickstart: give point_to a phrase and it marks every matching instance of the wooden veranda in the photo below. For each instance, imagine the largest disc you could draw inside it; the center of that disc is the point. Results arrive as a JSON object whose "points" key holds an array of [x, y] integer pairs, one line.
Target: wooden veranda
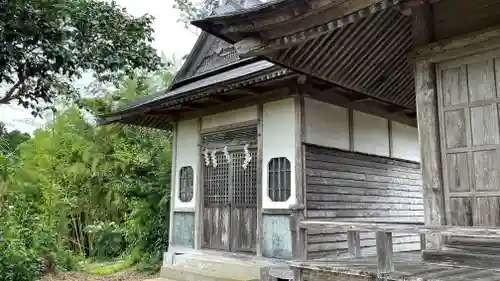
{"points": [[386, 265]]}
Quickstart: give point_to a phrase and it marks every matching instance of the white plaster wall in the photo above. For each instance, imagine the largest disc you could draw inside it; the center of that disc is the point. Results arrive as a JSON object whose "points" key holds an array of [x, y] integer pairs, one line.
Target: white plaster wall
{"points": [[278, 140], [371, 134], [405, 142], [229, 117], [326, 124], [188, 154]]}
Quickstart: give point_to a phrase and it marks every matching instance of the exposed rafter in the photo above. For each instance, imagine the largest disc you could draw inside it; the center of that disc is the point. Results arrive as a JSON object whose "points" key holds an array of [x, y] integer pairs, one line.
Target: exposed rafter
{"points": [[254, 46]]}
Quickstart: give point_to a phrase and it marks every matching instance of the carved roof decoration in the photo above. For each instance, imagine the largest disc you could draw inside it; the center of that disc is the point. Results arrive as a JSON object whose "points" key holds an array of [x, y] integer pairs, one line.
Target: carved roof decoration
{"points": [[209, 52]]}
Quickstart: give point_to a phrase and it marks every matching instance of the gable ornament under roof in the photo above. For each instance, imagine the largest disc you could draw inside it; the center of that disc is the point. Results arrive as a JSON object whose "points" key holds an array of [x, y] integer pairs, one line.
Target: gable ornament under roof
{"points": [[210, 52]]}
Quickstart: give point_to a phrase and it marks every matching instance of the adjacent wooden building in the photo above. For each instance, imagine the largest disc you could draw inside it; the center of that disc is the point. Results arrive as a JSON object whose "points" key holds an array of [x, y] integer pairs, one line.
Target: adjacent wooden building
{"points": [[311, 108]]}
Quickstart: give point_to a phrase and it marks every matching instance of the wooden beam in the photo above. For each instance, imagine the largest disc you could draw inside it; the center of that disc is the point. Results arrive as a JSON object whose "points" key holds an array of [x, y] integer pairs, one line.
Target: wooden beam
{"points": [[249, 47], [360, 100], [301, 79], [235, 104], [476, 232], [406, 7], [398, 109], [428, 127], [479, 41], [217, 99]]}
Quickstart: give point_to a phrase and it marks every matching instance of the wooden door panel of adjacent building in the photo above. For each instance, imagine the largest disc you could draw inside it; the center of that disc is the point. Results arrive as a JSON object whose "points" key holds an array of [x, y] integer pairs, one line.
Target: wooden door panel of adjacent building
{"points": [[470, 140], [230, 203]]}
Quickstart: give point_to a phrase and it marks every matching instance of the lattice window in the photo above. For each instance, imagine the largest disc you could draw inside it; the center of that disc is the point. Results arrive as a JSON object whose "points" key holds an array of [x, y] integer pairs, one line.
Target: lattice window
{"points": [[186, 181], [230, 182], [244, 180], [235, 137], [216, 182], [279, 179]]}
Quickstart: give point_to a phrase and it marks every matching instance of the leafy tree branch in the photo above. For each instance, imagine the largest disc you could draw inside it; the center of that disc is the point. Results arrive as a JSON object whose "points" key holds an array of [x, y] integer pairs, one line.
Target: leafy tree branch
{"points": [[45, 45], [192, 11]]}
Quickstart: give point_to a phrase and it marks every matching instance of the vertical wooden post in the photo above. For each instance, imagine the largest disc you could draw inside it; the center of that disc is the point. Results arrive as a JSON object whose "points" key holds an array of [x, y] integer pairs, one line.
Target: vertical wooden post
{"points": [[265, 275], [298, 274], [384, 253], [299, 250], [423, 244], [351, 129], [173, 172], [198, 208], [353, 244], [260, 191], [428, 126], [299, 159]]}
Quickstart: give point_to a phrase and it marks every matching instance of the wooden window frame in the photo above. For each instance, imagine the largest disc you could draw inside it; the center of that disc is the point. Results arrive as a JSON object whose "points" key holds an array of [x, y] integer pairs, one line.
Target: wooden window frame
{"points": [[186, 181], [279, 189]]}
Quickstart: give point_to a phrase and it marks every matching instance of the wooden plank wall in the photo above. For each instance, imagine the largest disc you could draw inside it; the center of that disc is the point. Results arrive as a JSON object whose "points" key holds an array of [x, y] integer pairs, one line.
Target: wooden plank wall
{"points": [[348, 186]]}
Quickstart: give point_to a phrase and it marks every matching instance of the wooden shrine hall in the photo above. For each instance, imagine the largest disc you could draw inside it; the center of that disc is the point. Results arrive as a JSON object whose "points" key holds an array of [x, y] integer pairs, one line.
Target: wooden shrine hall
{"points": [[344, 140]]}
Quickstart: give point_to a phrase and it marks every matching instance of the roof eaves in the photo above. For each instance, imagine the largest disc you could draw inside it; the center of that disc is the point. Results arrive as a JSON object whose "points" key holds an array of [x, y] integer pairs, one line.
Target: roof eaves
{"points": [[125, 117], [187, 81], [215, 71], [162, 97]]}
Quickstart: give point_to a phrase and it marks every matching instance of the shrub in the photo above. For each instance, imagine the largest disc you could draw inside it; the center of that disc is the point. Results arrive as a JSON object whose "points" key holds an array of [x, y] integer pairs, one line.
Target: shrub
{"points": [[18, 262], [109, 240]]}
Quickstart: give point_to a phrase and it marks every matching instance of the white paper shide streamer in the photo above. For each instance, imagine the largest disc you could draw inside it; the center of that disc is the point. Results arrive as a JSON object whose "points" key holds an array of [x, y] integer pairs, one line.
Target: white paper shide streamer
{"points": [[207, 159], [214, 158], [226, 154], [248, 158]]}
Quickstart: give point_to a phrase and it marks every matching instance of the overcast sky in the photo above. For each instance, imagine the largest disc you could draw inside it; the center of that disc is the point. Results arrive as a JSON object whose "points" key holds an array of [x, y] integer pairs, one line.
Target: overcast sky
{"points": [[171, 37]]}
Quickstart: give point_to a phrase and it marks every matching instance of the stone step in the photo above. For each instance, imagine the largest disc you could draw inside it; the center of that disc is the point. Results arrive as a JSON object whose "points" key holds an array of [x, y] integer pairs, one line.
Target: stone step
{"points": [[187, 273], [226, 266]]}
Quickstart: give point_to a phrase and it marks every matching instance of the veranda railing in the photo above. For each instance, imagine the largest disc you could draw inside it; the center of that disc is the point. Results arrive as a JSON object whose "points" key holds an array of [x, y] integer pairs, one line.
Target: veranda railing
{"points": [[383, 234]]}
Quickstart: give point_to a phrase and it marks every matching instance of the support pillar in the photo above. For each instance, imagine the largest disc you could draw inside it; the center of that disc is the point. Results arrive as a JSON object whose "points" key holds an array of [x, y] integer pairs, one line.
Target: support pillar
{"points": [[428, 126]]}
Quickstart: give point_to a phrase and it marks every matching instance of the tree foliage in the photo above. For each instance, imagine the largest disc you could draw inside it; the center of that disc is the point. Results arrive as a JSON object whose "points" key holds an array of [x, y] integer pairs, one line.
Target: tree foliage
{"points": [[45, 45], [80, 190], [191, 11]]}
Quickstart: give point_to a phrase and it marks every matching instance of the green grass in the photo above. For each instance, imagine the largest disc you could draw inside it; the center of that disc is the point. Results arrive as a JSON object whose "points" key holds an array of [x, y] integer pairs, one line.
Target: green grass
{"points": [[107, 268]]}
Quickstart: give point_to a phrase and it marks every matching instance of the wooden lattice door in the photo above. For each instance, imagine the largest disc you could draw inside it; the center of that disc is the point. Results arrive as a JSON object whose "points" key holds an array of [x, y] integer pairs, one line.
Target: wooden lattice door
{"points": [[230, 193]]}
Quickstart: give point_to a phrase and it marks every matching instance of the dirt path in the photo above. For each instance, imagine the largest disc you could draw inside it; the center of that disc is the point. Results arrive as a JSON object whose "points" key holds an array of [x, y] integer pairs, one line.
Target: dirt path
{"points": [[81, 276]]}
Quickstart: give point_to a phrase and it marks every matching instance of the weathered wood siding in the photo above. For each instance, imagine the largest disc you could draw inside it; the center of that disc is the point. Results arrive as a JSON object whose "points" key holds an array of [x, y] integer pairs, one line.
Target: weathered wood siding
{"points": [[469, 119], [349, 186]]}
